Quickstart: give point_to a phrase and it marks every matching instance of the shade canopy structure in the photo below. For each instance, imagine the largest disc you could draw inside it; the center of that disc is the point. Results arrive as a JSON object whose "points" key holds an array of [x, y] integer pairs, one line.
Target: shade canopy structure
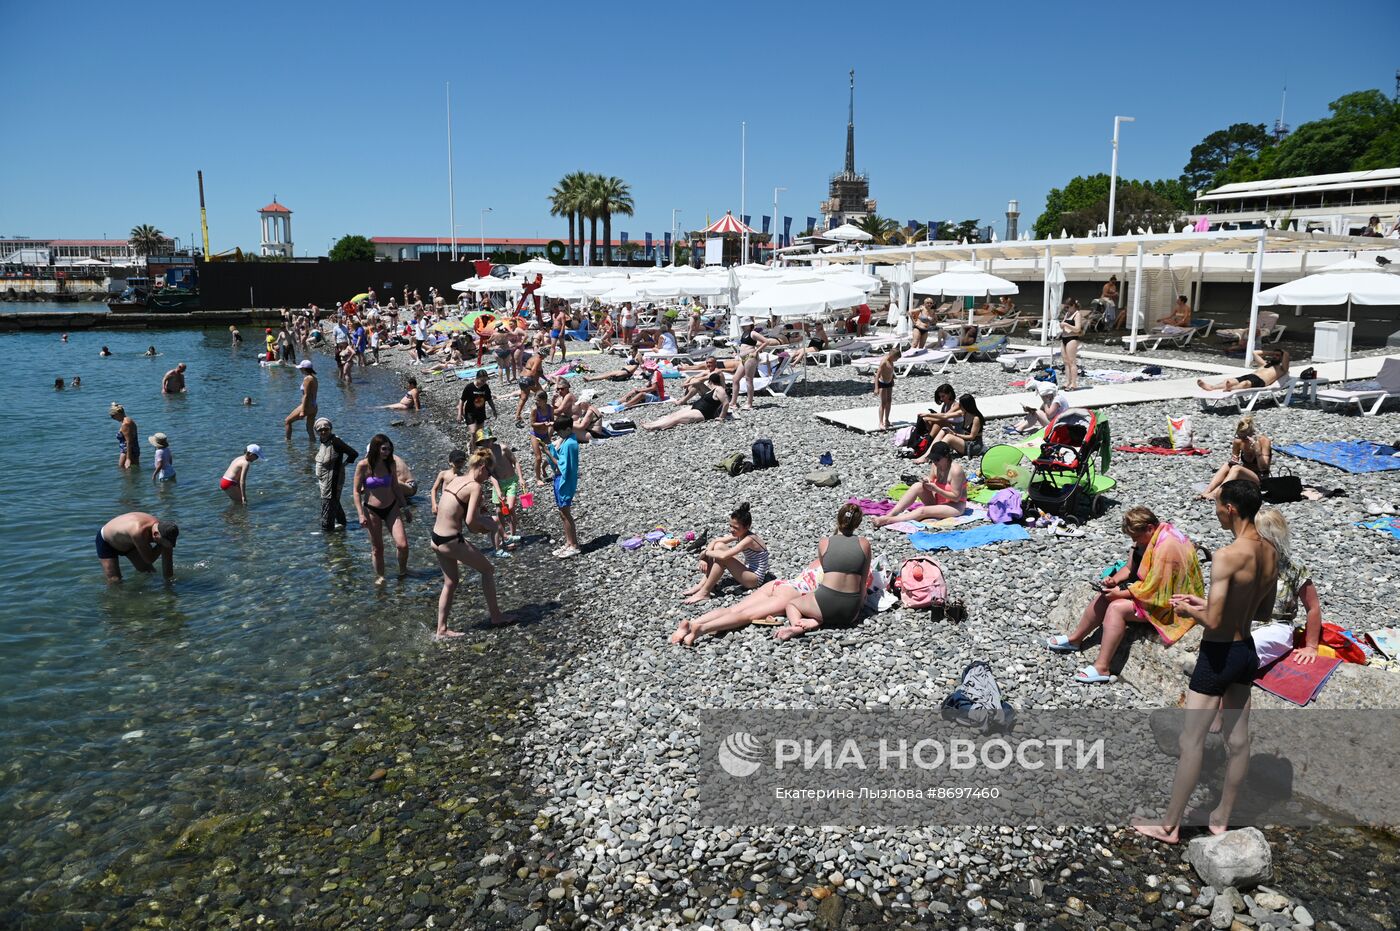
{"points": [[965, 280], [846, 232], [800, 299], [1351, 281], [727, 225], [490, 284], [564, 288], [538, 267]]}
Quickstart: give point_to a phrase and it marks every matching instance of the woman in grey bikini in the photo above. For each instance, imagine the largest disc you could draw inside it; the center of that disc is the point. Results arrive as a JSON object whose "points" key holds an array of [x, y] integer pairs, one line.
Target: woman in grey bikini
{"points": [[845, 564], [458, 509]]}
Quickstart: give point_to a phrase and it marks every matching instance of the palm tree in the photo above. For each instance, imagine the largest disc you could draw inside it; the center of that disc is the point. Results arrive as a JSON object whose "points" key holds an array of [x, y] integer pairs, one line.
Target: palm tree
{"points": [[591, 206], [910, 236], [575, 185], [146, 239], [614, 196], [879, 227]]}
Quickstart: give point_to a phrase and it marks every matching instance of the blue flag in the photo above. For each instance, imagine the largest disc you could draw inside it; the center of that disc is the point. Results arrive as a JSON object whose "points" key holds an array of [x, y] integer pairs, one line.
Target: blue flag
{"points": [[787, 231], [933, 227], [668, 247], [913, 225], [766, 218], [811, 223], [746, 218], [622, 249], [648, 252]]}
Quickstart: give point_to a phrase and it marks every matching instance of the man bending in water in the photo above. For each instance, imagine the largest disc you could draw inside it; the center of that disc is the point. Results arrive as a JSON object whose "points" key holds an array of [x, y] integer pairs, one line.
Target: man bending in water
{"points": [[141, 538], [1243, 584], [174, 380]]}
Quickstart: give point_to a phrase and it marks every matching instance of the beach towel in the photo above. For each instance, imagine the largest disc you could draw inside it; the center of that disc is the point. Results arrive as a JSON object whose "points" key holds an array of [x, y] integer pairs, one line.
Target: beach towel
{"points": [[1386, 641], [1347, 455], [1390, 525], [1296, 683], [872, 508], [1169, 567], [1161, 450], [973, 514], [969, 539]]}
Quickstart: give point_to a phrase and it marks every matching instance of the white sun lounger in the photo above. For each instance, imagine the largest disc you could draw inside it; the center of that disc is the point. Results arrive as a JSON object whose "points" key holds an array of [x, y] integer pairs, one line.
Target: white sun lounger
{"points": [[1014, 361], [1245, 399], [924, 359], [1385, 386]]}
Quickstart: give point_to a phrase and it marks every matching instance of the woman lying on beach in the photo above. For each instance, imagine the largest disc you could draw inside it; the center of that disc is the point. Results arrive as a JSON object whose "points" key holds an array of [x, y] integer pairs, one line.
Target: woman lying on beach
{"points": [[741, 553], [1250, 456], [942, 494], [712, 404], [1163, 564], [966, 438], [1272, 366], [411, 401], [839, 598], [634, 362], [767, 601]]}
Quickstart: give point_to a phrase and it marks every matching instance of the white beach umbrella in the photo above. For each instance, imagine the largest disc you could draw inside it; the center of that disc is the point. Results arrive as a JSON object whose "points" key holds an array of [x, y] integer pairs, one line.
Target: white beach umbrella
{"points": [[492, 284], [800, 299], [1056, 282], [566, 288], [1351, 281], [539, 266], [629, 292], [847, 232], [964, 280]]}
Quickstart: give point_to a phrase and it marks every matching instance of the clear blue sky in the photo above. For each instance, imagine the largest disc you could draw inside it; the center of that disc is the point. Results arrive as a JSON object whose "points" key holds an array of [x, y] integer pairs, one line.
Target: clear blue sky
{"points": [[337, 108]]}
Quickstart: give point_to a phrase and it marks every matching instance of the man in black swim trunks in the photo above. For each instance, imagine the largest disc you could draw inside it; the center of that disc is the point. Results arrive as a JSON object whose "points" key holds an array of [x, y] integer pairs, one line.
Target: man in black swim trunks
{"points": [[1243, 584], [475, 396], [1272, 366]]}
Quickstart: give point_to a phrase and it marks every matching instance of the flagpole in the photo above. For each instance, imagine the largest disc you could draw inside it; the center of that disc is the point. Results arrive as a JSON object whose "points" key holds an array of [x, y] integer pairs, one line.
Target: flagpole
{"points": [[743, 184], [451, 199]]}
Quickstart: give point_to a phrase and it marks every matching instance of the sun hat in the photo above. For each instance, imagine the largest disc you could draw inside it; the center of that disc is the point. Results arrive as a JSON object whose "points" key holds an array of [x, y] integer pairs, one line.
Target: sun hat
{"points": [[254, 450], [1045, 388], [305, 364], [159, 440]]}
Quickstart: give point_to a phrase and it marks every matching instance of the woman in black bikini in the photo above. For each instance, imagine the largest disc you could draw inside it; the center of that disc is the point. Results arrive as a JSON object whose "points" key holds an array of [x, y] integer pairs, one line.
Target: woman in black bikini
{"points": [[1250, 456], [838, 599], [459, 508], [712, 403], [966, 438], [377, 491]]}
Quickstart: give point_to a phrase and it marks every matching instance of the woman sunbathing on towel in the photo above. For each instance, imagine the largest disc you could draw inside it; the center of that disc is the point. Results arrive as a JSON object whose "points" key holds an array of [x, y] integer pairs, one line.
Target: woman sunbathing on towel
{"points": [[1272, 366], [1250, 456], [627, 371], [840, 596], [942, 494], [767, 601], [712, 404], [1163, 563]]}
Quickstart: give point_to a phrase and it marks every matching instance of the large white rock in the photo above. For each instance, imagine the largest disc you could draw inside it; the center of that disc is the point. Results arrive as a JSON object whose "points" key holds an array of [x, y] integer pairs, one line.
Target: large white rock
{"points": [[1242, 858]]}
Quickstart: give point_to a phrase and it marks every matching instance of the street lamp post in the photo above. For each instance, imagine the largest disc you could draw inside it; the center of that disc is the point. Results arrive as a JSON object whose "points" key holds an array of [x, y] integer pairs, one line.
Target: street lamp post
{"points": [[484, 212], [1113, 171], [774, 253], [675, 212]]}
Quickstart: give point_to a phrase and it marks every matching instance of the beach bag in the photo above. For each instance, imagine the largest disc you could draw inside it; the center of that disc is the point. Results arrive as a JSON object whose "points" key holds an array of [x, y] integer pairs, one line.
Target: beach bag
{"points": [[1005, 507], [1280, 489], [732, 465], [1180, 432], [763, 457], [922, 584], [901, 436], [1272, 642], [824, 478], [878, 596], [977, 701]]}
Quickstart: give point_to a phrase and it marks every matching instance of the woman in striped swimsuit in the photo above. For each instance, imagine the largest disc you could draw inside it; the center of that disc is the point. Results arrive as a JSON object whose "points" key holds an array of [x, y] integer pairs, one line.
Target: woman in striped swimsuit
{"points": [[740, 553]]}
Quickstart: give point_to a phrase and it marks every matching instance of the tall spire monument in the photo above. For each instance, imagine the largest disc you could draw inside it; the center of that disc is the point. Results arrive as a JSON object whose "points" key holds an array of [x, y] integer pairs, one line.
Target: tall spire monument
{"points": [[848, 197]]}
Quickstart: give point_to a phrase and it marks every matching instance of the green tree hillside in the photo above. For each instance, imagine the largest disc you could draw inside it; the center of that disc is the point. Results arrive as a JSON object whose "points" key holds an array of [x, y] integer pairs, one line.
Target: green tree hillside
{"points": [[352, 248]]}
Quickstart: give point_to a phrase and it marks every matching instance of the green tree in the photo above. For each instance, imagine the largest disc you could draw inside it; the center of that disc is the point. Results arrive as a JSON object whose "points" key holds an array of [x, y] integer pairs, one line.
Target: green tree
{"points": [[612, 196], [1383, 152], [1213, 154], [352, 248], [948, 231], [147, 240], [1080, 193], [1138, 205], [569, 198], [881, 228]]}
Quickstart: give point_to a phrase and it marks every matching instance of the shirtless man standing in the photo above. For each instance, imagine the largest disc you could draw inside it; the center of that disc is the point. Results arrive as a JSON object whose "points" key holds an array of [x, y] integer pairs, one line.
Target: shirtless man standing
{"points": [[306, 410], [141, 538], [1243, 584], [174, 380]]}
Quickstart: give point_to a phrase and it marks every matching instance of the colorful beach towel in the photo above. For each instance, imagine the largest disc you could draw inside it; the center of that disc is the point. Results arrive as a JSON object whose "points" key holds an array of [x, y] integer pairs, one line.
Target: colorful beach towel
{"points": [[1296, 683], [1386, 641], [969, 539], [1161, 450], [1169, 567], [870, 507], [1390, 525], [1347, 455]]}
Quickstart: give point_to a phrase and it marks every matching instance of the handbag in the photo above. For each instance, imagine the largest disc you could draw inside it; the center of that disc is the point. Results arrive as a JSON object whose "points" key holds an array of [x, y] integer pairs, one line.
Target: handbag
{"points": [[1281, 488]]}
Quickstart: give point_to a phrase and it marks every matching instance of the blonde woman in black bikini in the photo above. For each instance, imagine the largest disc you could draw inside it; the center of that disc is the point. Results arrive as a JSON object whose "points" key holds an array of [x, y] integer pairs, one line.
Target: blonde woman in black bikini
{"points": [[1250, 457], [377, 491], [845, 565], [461, 507], [1073, 324]]}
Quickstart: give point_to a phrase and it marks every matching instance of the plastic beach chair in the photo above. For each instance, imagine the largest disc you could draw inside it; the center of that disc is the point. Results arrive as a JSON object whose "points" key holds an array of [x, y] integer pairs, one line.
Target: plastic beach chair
{"points": [[1385, 386]]}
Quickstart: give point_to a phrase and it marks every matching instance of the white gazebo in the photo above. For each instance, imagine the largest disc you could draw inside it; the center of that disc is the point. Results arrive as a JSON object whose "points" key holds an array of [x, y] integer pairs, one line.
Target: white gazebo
{"points": [[276, 230]]}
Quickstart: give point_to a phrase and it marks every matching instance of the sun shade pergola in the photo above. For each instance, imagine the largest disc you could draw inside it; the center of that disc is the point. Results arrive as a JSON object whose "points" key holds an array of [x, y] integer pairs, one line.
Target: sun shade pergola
{"points": [[1257, 241]]}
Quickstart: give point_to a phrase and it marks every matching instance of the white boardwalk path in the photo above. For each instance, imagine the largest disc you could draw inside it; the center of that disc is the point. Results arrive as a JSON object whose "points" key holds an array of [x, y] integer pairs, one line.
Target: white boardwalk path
{"points": [[866, 419]]}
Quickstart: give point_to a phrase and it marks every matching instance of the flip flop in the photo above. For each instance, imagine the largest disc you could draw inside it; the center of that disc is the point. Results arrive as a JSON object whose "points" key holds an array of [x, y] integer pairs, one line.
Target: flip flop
{"points": [[1091, 676], [632, 543], [1060, 644], [770, 621]]}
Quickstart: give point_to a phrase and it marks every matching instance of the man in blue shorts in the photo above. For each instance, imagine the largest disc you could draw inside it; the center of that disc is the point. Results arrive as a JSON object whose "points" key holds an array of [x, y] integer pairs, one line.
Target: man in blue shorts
{"points": [[564, 455]]}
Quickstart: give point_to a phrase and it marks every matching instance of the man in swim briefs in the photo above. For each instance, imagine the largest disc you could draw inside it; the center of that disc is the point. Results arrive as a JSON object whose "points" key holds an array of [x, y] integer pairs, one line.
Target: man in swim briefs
{"points": [[1243, 584], [141, 538], [1271, 367]]}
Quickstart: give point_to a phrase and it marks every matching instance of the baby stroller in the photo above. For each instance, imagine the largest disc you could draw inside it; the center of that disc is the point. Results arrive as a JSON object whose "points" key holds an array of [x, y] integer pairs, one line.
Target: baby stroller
{"points": [[1068, 473]]}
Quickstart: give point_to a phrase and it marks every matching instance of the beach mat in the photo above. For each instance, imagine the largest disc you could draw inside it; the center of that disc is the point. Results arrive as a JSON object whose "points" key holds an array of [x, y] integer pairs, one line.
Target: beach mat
{"points": [[1348, 455], [1294, 683], [969, 539], [1390, 525]]}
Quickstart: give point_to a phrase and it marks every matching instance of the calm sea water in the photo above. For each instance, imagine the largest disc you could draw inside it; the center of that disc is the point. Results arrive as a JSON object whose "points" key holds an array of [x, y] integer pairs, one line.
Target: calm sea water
{"points": [[111, 694]]}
